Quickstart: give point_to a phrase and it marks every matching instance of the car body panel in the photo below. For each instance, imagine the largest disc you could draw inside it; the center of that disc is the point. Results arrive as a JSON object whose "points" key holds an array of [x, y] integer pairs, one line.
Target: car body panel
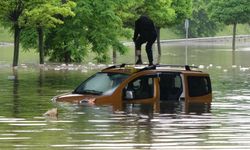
{"points": [[117, 98]]}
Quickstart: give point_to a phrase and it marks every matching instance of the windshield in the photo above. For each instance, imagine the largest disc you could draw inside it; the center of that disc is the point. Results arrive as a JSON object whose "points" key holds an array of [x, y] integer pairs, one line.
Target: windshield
{"points": [[101, 83]]}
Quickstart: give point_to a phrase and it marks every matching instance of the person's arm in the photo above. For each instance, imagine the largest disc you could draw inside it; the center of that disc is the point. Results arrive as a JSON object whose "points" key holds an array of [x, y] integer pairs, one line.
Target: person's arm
{"points": [[136, 32]]}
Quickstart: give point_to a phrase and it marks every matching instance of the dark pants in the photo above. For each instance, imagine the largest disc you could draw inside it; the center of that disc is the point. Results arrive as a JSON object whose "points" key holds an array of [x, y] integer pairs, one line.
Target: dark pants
{"points": [[150, 41]]}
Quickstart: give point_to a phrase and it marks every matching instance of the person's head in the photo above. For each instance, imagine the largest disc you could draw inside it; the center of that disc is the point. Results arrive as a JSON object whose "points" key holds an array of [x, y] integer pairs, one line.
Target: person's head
{"points": [[144, 16]]}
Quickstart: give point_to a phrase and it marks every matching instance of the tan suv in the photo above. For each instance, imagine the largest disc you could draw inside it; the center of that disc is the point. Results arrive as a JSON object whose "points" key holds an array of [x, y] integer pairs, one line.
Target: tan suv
{"points": [[128, 83]]}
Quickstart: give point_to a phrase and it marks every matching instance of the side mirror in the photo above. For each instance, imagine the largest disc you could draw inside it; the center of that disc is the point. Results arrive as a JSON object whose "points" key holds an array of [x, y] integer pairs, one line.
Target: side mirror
{"points": [[129, 95]]}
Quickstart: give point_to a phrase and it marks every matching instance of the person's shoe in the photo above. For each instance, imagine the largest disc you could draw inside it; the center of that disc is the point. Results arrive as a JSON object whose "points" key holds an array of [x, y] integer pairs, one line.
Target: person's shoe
{"points": [[150, 64], [138, 62]]}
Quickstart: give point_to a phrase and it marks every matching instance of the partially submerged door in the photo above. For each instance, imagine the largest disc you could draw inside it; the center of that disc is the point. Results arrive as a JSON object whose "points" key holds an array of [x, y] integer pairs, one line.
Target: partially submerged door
{"points": [[170, 86], [141, 90]]}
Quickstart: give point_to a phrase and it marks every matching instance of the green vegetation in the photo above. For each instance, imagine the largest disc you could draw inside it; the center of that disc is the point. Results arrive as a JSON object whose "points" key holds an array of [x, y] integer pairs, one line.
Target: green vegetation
{"points": [[5, 36], [166, 33], [67, 31], [97, 25], [241, 30], [231, 12], [200, 24], [18, 15], [40, 15], [175, 12]]}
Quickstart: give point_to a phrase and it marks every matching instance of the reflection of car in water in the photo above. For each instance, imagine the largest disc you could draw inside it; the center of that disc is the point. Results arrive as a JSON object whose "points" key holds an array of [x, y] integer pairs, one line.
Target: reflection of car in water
{"points": [[138, 84]]}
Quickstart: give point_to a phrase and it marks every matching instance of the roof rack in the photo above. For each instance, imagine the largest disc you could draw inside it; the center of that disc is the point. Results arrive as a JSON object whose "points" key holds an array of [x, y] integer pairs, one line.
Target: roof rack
{"points": [[187, 67], [152, 67], [117, 66]]}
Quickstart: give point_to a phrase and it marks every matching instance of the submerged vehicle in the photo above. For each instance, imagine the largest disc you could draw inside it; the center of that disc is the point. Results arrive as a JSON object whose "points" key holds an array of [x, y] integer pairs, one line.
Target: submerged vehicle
{"points": [[136, 84]]}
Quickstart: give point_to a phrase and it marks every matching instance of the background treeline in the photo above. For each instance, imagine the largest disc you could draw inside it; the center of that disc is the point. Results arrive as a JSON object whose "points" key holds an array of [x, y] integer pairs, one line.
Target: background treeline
{"points": [[67, 30]]}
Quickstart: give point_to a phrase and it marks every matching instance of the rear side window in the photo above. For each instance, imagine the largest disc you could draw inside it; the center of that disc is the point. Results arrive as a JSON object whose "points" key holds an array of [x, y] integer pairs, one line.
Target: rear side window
{"points": [[199, 86]]}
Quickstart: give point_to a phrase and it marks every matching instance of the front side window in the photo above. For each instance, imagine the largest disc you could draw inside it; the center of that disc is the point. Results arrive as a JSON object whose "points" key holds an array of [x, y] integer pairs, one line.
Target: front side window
{"points": [[199, 86], [101, 83], [140, 88]]}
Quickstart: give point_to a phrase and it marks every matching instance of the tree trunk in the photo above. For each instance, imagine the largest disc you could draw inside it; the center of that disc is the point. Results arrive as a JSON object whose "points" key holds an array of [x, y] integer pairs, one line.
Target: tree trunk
{"points": [[158, 41], [67, 58], [114, 56], [16, 45], [234, 35], [40, 45]]}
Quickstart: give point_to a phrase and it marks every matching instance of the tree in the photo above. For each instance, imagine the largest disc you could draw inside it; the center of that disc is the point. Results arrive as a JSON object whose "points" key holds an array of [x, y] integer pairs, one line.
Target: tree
{"points": [[231, 12], [96, 26], [201, 25], [166, 13], [10, 13], [127, 13], [45, 14]]}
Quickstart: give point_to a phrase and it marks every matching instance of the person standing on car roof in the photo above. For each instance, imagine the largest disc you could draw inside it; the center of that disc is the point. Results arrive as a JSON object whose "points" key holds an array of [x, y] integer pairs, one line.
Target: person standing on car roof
{"points": [[144, 32]]}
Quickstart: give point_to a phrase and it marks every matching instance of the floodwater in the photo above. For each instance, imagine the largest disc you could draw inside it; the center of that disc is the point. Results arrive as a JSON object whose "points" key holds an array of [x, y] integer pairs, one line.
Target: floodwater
{"points": [[25, 95]]}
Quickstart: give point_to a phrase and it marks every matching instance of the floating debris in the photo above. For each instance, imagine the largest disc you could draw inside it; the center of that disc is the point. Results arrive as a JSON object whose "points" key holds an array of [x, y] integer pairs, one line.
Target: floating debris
{"points": [[51, 113], [218, 67], [244, 69], [201, 67]]}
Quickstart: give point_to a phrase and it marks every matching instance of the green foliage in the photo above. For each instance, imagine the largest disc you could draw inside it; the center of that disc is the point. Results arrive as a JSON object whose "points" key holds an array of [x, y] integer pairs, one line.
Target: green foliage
{"points": [[128, 11], [160, 11], [97, 25], [46, 13], [5, 36], [201, 25], [183, 10], [28, 38], [230, 11], [42, 14], [10, 11], [166, 12], [242, 29]]}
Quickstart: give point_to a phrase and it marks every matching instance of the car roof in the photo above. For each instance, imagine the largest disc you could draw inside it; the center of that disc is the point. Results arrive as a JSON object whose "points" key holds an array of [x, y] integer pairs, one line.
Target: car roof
{"points": [[132, 69]]}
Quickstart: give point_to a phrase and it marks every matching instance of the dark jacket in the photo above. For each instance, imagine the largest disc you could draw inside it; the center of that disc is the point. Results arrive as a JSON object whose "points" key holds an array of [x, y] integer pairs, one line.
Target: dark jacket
{"points": [[144, 27]]}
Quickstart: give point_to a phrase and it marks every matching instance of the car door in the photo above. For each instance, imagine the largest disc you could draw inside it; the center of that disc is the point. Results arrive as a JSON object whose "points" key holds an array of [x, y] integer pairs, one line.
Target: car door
{"points": [[143, 89], [170, 86]]}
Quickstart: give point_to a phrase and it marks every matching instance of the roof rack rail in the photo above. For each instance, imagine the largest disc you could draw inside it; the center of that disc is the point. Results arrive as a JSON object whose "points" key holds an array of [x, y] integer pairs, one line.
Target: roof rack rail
{"points": [[152, 67], [116, 66], [187, 67]]}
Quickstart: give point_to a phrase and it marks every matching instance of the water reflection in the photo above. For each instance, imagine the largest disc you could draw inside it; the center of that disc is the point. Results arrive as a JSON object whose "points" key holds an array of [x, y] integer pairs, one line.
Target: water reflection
{"points": [[40, 80], [167, 108], [16, 104], [233, 58]]}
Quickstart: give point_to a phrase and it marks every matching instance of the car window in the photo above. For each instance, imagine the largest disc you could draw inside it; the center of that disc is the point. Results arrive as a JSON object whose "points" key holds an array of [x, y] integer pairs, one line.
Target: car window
{"points": [[141, 88], [170, 86], [199, 86], [101, 83]]}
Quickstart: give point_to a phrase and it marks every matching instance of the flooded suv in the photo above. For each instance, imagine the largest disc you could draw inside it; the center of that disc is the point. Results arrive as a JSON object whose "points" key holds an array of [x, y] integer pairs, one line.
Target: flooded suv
{"points": [[125, 83]]}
